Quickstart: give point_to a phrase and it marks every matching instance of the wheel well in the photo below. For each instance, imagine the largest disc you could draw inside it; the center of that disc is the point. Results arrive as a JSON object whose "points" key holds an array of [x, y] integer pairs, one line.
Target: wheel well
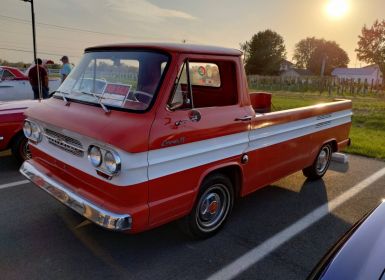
{"points": [[10, 143], [334, 145], [234, 173]]}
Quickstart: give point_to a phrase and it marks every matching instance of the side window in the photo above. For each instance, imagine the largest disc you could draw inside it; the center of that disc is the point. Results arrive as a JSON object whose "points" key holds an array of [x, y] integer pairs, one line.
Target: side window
{"points": [[181, 98], [7, 75], [205, 74], [205, 84]]}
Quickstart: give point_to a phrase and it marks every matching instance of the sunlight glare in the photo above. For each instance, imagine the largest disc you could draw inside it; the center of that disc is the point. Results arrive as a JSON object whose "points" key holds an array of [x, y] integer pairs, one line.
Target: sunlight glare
{"points": [[337, 8]]}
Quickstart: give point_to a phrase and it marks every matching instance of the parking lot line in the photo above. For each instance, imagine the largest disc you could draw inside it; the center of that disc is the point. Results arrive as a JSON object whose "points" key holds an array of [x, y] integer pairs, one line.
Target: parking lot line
{"points": [[247, 260], [14, 184]]}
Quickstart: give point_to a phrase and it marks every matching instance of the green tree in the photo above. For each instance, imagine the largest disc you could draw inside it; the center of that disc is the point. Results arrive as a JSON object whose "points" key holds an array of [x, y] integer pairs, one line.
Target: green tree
{"points": [[371, 44], [310, 53], [333, 55], [304, 49], [264, 53]]}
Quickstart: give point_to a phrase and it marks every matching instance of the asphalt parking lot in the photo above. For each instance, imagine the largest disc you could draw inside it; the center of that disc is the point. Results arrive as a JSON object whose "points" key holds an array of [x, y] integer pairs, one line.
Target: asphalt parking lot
{"points": [[42, 239]]}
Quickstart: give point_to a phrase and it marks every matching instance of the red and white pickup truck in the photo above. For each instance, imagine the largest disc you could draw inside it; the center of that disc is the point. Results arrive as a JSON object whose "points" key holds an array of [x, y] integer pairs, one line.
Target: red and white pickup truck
{"points": [[139, 135]]}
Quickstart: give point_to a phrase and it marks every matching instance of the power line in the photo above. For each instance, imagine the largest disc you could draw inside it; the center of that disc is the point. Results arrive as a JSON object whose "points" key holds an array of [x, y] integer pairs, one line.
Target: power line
{"points": [[78, 29], [27, 51]]}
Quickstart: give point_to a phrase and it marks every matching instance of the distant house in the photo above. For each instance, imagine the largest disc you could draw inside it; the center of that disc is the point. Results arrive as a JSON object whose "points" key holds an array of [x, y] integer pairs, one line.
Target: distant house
{"points": [[296, 73], [286, 65], [370, 74]]}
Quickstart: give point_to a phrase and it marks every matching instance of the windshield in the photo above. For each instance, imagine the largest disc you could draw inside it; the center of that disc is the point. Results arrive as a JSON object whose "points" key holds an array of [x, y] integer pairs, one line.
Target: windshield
{"points": [[116, 79]]}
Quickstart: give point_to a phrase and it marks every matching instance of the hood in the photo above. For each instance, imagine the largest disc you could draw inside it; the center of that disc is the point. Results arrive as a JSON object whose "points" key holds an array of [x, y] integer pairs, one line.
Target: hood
{"points": [[363, 255], [124, 130], [17, 105]]}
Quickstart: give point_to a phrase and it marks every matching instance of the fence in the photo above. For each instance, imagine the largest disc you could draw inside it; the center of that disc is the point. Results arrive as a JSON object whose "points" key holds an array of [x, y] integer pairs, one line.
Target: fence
{"points": [[313, 84]]}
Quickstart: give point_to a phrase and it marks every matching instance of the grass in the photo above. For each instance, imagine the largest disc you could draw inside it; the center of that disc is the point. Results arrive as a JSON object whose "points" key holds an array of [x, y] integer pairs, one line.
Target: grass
{"points": [[368, 121]]}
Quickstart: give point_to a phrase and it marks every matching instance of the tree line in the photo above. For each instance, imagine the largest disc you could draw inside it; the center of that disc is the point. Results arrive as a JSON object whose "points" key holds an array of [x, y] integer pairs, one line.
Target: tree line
{"points": [[23, 65], [265, 51]]}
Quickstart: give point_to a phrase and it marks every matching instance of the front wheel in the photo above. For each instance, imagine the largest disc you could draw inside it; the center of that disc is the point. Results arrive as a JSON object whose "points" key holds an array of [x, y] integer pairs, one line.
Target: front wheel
{"points": [[20, 148], [212, 208], [321, 163]]}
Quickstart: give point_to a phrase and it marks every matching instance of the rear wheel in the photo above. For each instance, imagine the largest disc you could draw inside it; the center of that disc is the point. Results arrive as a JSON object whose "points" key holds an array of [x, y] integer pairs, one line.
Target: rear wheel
{"points": [[320, 164], [212, 208], [20, 148]]}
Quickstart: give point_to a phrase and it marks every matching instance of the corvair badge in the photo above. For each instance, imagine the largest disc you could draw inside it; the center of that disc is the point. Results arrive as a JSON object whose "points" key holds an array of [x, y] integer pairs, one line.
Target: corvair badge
{"points": [[173, 142]]}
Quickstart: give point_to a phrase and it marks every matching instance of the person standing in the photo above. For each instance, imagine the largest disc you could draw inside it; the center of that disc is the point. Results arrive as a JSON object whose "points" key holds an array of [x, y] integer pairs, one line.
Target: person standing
{"points": [[66, 69], [34, 81]]}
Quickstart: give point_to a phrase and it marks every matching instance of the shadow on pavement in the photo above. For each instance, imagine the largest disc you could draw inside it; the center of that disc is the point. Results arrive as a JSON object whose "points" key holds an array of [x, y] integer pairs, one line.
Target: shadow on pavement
{"points": [[87, 251]]}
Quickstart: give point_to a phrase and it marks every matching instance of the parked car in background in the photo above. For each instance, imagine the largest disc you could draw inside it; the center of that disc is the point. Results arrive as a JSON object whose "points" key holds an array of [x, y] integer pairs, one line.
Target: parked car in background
{"points": [[14, 84], [359, 254], [11, 128]]}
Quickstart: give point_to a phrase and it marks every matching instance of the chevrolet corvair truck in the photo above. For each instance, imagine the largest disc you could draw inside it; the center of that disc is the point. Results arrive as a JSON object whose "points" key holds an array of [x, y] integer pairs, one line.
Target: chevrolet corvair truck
{"points": [[139, 135]]}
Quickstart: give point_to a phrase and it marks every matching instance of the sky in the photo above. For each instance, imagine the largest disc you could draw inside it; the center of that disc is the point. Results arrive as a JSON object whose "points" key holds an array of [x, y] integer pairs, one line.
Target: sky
{"points": [[61, 24]]}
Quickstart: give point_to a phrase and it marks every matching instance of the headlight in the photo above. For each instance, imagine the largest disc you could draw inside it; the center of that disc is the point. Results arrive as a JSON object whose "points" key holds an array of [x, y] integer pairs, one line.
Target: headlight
{"points": [[106, 162], [27, 129], [95, 156], [36, 133], [112, 162], [32, 131]]}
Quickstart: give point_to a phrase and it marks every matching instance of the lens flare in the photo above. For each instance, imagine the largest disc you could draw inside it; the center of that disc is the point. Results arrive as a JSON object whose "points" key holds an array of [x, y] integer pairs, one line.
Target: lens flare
{"points": [[337, 8]]}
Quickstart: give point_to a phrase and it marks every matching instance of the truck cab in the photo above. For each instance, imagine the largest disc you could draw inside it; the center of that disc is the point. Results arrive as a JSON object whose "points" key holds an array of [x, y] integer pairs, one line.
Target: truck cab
{"points": [[139, 135]]}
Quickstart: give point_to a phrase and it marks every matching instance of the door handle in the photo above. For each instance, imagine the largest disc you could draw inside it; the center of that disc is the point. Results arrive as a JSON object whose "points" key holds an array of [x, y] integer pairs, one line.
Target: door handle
{"points": [[244, 119]]}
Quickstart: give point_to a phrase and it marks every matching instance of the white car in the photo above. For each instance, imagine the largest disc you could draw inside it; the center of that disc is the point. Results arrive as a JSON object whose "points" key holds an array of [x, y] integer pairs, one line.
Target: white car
{"points": [[14, 84]]}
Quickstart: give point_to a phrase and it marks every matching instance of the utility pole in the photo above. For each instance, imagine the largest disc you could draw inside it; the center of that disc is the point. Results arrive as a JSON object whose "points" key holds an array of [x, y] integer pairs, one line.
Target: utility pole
{"points": [[323, 65], [34, 46]]}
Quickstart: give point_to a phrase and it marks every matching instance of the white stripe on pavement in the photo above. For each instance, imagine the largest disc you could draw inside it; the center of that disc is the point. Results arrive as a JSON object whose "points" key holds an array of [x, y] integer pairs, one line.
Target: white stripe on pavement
{"points": [[14, 184], [252, 257]]}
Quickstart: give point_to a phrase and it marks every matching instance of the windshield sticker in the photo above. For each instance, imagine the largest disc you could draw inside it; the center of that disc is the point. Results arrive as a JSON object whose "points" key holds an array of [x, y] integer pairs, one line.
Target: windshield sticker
{"points": [[202, 71], [115, 94]]}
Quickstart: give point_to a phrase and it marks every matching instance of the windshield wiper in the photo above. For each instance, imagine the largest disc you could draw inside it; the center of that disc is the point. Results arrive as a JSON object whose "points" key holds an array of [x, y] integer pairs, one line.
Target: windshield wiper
{"points": [[105, 109], [64, 98]]}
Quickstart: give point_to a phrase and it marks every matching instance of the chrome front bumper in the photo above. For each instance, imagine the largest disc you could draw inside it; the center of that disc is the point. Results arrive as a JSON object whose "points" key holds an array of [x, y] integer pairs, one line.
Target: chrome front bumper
{"points": [[94, 213]]}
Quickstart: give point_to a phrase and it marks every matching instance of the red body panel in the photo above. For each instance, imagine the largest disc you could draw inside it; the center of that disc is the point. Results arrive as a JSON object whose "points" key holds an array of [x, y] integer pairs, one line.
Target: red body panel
{"points": [[171, 195], [132, 199], [127, 131], [11, 120], [16, 72]]}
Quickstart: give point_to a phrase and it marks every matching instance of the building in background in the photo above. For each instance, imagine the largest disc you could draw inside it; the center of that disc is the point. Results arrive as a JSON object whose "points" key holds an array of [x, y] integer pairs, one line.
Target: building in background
{"points": [[370, 74], [296, 73], [285, 65]]}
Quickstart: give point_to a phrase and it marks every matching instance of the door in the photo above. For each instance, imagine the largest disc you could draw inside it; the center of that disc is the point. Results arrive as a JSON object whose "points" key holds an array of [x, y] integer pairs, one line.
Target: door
{"points": [[204, 122]]}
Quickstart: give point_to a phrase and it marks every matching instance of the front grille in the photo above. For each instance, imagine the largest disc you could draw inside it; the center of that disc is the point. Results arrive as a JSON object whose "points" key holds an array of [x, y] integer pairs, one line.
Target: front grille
{"points": [[64, 142]]}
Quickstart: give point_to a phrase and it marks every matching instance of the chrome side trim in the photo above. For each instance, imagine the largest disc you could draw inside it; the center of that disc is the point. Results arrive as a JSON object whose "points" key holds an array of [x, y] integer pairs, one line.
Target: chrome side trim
{"points": [[89, 210]]}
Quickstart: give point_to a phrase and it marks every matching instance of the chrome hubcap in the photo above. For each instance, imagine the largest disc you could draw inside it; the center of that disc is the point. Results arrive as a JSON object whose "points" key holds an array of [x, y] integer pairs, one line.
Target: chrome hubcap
{"points": [[213, 207], [25, 151], [210, 207], [323, 159]]}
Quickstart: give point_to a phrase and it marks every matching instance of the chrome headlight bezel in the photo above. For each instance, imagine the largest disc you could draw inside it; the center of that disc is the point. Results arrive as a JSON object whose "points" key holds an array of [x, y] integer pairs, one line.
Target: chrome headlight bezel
{"points": [[32, 131], [107, 164], [112, 162], [95, 159], [27, 129]]}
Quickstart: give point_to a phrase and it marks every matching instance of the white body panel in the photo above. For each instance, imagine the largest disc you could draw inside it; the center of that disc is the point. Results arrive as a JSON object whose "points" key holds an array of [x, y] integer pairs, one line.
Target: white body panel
{"points": [[21, 89]]}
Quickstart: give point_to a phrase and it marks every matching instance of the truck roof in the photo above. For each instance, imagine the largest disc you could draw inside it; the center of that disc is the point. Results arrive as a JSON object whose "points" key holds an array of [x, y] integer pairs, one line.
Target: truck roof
{"points": [[171, 47]]}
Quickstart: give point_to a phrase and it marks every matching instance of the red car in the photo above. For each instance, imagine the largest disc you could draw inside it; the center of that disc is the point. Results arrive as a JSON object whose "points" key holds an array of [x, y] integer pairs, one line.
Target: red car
{"points": [[11, 128]]}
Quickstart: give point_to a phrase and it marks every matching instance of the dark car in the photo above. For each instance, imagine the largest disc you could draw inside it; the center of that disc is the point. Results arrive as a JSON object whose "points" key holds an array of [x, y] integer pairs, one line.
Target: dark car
{"points": [[359, 254]]}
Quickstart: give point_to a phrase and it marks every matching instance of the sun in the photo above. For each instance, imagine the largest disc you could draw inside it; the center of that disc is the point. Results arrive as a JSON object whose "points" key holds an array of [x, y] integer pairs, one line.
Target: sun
{"points": [[337, 8]]}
